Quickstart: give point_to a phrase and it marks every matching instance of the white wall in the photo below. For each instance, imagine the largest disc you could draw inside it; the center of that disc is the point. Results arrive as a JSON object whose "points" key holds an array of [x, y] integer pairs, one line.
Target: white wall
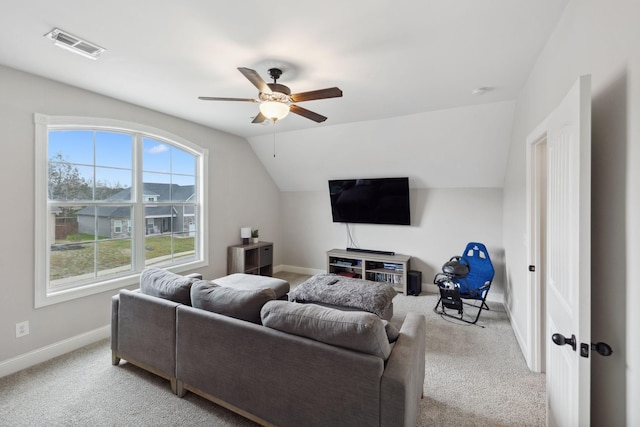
{"points": [[240, 193], [454, 148], [443, 222], [602, 39]]}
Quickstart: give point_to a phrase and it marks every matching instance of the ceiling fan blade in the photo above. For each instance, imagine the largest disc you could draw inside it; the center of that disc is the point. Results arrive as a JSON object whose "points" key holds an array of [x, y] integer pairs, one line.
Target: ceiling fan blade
{"points": [[332, 92], [307, 113], [260, 118], [255, 78], [215, 98]]}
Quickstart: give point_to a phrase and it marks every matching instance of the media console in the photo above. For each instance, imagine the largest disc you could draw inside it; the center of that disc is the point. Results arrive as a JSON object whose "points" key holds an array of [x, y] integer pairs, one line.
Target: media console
{"points": [[377, 266]]}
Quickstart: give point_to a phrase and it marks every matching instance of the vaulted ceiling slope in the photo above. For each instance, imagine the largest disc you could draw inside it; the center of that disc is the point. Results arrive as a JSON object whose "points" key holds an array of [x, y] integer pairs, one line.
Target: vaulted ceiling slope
{"points": [[453, 148], [391, 59]]}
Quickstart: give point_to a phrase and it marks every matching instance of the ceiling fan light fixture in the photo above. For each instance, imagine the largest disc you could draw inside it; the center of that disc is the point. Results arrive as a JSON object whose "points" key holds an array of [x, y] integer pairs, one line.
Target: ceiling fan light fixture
{"points": [[274, 110]]}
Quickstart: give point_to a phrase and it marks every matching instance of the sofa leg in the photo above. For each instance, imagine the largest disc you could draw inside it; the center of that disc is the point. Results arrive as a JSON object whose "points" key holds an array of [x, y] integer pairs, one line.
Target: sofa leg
{"points": [[114, 358], [177, 387]]}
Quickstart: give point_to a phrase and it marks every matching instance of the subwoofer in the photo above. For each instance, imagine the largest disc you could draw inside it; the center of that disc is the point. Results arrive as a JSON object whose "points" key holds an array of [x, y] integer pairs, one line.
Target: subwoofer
{"points": [[414, 285]]}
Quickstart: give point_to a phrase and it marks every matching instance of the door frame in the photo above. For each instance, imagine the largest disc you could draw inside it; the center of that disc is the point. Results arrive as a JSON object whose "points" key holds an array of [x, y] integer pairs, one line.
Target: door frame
{"points": [[536, 307]]}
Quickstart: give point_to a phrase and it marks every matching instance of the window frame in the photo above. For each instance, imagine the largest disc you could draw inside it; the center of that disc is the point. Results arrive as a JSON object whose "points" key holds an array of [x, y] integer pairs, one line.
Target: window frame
{"points": [[45, 296]]}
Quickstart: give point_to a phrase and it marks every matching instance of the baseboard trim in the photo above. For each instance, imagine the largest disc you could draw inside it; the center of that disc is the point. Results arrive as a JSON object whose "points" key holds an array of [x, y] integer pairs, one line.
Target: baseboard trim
{"points": [[59, 348], [299, 270], [522, 343]]}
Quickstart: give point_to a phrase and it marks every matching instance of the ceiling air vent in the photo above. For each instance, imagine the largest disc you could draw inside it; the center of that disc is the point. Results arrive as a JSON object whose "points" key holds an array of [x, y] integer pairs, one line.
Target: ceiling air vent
{"points": [[74, 44]]}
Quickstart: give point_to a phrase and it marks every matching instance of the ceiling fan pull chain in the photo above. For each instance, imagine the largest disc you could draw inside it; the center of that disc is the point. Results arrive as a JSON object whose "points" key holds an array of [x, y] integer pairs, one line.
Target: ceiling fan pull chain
{"points": [[274, 138]]}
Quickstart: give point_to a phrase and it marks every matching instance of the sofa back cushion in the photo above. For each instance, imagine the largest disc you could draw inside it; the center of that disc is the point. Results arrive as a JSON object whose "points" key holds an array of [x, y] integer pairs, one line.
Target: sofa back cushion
{"points": [[167, 285], [355, 330], [239, 303]]}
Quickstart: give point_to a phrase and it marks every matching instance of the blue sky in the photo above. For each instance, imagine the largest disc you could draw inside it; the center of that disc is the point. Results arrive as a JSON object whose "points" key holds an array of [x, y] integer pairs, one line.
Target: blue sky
{"points": [[162, 162]]}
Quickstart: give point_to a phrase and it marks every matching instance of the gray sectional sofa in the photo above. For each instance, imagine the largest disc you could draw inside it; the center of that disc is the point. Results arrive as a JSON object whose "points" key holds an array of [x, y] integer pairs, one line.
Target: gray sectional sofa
{"points": [[291, 365]]}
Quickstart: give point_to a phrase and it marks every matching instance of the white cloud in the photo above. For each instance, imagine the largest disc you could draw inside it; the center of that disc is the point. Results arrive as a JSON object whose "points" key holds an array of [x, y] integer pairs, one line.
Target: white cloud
{"points": [[160, 148]]}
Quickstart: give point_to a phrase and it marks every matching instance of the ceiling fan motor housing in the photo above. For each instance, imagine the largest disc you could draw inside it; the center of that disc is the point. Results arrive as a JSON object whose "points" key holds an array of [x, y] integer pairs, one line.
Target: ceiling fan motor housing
{"points": [[275, 73]]}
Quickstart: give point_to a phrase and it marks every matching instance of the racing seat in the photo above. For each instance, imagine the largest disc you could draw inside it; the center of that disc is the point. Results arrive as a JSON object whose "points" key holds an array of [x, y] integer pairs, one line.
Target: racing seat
{"points": [[465, 277]]}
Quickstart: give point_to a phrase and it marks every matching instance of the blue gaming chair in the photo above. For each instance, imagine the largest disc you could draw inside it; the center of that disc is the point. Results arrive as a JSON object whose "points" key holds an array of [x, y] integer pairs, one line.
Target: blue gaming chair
{"points": [[465, 277]]}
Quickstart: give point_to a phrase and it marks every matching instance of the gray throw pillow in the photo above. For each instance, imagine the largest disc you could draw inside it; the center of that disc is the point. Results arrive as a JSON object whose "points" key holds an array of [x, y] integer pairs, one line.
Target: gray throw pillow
{"points": [[167, 285], [355, 330], [239, 303]]}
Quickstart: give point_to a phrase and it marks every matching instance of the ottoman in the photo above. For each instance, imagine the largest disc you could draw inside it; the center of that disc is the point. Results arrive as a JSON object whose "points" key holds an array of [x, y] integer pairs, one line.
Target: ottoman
{"points": [[252, 282]]}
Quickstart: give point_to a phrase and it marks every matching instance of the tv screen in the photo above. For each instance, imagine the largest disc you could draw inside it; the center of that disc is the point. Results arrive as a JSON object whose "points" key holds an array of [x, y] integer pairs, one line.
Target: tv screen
{"points": [[370, 201]]}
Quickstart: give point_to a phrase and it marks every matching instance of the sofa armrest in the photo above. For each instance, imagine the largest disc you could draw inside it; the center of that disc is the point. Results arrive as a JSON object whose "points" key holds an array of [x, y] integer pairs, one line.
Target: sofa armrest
{"points": [[194, 276], [403, 379], [145, 331]]}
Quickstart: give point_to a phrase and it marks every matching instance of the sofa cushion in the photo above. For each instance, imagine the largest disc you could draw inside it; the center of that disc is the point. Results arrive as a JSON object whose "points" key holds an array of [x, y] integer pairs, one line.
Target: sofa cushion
{"points": [[253, 282], [167, 285], [355, 330], [391, 331], [239, 303]]}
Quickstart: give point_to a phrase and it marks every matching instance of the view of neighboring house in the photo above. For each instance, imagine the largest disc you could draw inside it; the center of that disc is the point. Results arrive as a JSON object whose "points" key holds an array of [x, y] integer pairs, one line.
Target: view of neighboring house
{"points": [[115, 221]]}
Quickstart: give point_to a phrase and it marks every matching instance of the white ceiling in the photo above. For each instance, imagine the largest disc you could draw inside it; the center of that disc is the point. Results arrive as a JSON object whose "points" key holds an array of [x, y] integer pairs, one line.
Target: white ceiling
{"points": [[390, 59]]}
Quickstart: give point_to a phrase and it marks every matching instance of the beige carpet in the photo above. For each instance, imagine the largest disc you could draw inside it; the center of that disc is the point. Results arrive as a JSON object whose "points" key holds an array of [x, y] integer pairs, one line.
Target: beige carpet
{"points": [[474, 377]]}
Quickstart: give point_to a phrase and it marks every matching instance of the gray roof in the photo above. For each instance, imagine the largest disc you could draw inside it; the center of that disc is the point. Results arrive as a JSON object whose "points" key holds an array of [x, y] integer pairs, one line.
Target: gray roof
{"points": [[164, 193]]}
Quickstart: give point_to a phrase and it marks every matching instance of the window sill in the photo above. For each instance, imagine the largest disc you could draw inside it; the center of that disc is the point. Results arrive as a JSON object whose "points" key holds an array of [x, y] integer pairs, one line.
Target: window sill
{"points": [[57, 297]]}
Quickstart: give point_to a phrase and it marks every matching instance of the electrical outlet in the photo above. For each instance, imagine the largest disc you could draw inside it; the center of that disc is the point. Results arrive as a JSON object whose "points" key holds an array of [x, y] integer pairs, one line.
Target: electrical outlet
{"points": [[22, 329]]}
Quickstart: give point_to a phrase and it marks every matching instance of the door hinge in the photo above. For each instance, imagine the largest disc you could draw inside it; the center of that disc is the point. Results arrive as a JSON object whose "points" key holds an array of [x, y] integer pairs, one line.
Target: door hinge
{"points": [[532, 268]]}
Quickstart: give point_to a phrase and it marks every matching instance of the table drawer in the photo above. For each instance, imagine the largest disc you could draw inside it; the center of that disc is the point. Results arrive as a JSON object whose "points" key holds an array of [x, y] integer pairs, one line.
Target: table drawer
{"points": [[266, 255]]}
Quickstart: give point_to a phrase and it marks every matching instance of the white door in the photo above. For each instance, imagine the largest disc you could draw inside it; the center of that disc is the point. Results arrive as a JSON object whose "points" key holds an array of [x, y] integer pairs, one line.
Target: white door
{"points": [[569, 258]]}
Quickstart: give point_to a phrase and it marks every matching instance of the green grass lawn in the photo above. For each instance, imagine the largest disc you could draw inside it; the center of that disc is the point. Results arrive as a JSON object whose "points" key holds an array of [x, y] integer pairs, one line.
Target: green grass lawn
{"points": [[80, 258]]}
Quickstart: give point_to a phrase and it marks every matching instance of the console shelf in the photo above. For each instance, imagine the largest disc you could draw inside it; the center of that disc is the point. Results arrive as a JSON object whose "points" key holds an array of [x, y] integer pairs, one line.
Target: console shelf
{"points": [[253, 258], [390, 269]]}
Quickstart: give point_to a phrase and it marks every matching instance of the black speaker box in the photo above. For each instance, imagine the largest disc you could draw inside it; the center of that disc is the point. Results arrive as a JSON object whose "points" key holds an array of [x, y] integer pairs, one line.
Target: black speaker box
{"points": [[414, 285]]}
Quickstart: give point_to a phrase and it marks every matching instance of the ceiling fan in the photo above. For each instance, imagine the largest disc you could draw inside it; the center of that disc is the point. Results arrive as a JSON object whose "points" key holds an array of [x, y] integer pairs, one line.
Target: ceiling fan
{"points": [[276, 100]]}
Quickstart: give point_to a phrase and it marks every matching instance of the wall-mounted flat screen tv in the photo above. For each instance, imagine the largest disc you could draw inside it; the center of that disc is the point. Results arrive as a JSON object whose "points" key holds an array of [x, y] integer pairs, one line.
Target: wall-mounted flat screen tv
{"points": [[370, 201]]}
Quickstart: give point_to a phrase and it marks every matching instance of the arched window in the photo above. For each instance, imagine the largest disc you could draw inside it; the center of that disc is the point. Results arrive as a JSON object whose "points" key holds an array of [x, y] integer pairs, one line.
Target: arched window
{"points": [[112, 198]]}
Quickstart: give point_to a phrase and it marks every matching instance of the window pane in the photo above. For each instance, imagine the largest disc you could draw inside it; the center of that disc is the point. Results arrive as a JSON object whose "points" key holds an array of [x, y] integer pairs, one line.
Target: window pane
{"points": [[188, 184], [156, 178], [109, 217], [155, 191], [170, 234], [71, 262], [68, 181], [90, 241], [72, 146], [113, 184], [65, 225], [114, 257], [71, 256], [157, 249], [158, 219], [156, 157], [182, 162], [113, 149], [184, 247], [184, 237]]}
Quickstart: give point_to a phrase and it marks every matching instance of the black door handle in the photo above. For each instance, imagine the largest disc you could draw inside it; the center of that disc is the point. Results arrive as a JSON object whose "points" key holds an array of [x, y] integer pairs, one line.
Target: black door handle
{"points": [[560, 339], [602, 348]]}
